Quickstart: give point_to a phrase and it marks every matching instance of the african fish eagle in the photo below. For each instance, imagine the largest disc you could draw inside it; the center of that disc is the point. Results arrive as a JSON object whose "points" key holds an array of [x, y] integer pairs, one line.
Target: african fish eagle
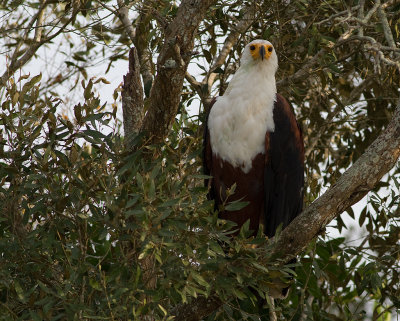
{"points": [[252, 139]]}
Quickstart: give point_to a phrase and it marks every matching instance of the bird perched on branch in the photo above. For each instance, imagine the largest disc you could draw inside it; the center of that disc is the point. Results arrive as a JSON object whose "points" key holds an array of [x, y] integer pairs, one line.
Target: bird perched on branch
{"points": [[252, 140]]}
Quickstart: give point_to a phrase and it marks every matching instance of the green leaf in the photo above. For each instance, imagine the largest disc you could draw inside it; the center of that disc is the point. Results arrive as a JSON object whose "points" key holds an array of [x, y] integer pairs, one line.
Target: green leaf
{"points": [[94, 134], [199, 279], [163, 310], [20, 292], [88, 90], [95, 284], [236, 205]]}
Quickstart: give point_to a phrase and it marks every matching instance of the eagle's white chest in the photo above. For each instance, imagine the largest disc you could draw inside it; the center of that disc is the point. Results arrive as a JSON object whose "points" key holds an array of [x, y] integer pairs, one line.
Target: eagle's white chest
{"points": [[239, 120]]}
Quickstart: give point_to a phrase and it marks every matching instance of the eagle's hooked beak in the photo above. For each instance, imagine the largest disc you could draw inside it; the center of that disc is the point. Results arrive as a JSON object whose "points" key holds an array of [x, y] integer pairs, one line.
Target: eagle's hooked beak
{"points": [[262, 52]]}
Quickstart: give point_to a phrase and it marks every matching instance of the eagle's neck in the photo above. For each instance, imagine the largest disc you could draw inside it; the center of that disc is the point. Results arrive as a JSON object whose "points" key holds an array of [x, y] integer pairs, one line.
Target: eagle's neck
{"points": [[239, 120]]}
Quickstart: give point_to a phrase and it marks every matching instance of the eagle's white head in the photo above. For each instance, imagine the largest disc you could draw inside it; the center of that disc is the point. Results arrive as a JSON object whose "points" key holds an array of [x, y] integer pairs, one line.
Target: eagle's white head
{"points": [[260, 54]]}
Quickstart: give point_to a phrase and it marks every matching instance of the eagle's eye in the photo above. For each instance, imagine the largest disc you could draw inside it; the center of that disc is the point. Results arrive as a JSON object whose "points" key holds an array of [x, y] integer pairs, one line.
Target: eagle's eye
{"points": [[252, 48], [270, 49]]}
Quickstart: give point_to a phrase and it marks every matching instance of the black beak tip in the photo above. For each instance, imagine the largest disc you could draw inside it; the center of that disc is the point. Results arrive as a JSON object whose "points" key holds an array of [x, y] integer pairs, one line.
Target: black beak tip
{"points": [[262, 52]]}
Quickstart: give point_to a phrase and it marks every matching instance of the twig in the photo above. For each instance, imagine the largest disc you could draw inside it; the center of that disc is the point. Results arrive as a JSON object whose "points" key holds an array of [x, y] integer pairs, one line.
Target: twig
{"points": [[123, 15], [248, 19], [355, 93], [271, 308], [360, 16], [339, 14], [376, 317], [386, 28], [304, 71], [15, 63], [194, 83], [203, 88]]}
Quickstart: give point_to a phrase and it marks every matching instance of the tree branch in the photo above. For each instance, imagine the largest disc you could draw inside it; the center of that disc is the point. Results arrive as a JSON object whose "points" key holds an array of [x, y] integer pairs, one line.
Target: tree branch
{"points": [[132, 98], [141, 43], [38, 18], [171, 68], [138, 37], [194, 83], [123, 15], [304, 71], [353, 185], [241, 28], [29, 53], [386, 28], [377, 48]]}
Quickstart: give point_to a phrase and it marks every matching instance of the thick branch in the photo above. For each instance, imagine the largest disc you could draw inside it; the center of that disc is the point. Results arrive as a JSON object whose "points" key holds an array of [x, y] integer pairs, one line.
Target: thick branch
{"points": [[353, 185], [132, 98], [138, 37], [171, 67]]}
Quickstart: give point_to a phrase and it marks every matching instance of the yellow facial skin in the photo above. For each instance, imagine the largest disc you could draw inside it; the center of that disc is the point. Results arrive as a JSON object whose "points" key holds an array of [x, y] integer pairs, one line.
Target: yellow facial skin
{"points": [[260, 51]]}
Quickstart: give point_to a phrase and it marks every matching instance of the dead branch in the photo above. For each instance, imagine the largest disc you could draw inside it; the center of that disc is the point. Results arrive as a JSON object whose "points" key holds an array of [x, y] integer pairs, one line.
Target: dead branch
{"points": [[141, 43], [132, 98]]}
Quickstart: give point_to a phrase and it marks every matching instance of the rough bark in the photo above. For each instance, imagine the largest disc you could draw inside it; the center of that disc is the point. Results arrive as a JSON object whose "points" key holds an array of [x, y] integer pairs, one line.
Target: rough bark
{"points": [[132, 98], [353, 185], [172, 64], [141, 43]]}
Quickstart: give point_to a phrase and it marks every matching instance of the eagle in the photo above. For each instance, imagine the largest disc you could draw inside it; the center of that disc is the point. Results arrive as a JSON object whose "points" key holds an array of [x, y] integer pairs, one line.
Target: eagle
{"points": [[252, 141]]}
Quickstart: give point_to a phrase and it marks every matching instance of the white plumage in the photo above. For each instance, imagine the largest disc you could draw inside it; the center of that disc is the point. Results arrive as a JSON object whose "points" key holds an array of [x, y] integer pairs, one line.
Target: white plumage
{"points": [[240, 118]]}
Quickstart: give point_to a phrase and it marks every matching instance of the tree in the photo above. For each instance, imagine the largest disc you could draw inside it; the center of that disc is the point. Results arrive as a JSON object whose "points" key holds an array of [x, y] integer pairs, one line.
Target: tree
{"points": [[100, 225]]}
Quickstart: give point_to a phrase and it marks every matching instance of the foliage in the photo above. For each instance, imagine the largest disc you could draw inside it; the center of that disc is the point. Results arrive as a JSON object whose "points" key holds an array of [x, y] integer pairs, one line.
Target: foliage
{"points": [[81, 219], [92, 231]]}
